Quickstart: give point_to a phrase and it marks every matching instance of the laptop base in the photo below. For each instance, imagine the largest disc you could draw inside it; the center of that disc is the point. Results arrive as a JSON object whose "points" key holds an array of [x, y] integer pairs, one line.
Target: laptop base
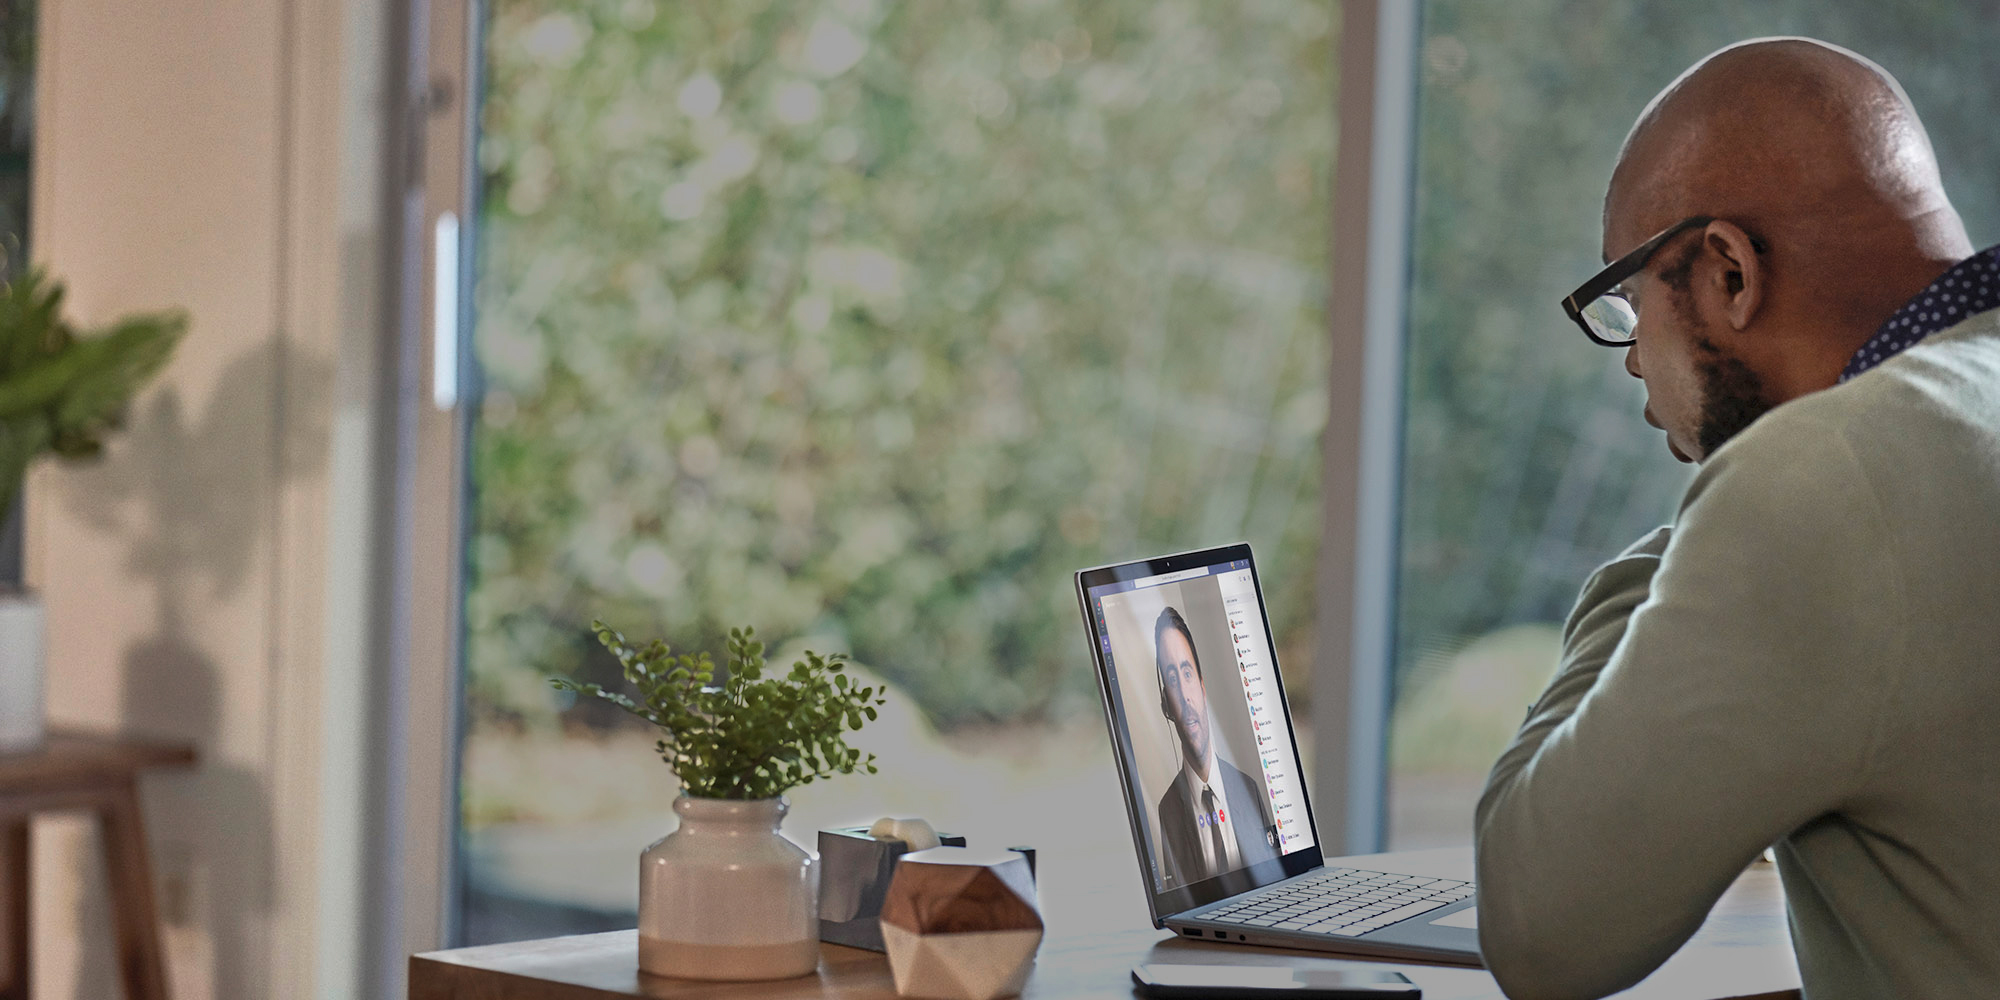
{"points": [[1414, 940]]}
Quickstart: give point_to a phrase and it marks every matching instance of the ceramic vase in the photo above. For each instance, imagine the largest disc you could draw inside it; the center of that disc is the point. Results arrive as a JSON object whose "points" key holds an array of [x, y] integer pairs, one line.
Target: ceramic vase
{"points": [[726, 897], [22, 724]]}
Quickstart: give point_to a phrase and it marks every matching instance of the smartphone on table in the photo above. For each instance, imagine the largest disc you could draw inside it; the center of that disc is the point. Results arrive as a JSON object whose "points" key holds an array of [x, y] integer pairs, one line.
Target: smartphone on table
{"points": [[1270, 982]]}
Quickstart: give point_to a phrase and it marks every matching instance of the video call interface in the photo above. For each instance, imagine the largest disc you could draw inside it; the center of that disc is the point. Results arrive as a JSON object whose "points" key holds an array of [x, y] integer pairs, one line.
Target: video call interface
{"points": [[1201, 713]]}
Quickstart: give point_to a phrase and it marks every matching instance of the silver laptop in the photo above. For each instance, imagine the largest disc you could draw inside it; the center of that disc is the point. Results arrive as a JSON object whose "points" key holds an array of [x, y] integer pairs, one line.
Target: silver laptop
{"points": [[1212, 776]]}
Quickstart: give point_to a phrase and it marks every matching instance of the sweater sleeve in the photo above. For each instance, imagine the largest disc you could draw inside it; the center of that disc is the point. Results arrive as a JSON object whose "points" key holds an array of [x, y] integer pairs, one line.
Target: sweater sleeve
{"points": [[1717, 689]]}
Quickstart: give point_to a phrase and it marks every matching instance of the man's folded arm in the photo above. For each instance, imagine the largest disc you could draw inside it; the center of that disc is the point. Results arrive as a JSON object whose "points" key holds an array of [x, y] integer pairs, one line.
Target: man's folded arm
{"points": [[1715, 692]]}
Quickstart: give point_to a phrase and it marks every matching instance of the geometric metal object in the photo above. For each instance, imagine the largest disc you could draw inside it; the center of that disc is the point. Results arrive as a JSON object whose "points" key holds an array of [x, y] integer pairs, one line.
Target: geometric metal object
{"points": [[961, 925], [855, 869]]}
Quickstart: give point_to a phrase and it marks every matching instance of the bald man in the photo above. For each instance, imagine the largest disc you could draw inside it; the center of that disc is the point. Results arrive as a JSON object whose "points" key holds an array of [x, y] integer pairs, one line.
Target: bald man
{"points": [[1809, 656]]}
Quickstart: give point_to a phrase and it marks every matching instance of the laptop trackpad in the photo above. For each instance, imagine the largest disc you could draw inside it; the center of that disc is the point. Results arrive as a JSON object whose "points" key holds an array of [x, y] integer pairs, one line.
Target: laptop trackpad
{"points": [[1468, 917]]}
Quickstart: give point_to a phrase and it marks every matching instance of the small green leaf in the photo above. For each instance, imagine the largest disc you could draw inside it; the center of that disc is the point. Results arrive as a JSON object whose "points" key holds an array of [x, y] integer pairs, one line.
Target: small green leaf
{"points": [[751, 736]]}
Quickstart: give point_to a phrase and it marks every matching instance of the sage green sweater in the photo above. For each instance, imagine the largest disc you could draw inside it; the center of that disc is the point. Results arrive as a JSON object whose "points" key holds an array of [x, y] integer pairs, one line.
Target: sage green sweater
{"points": [[1809, 657]]}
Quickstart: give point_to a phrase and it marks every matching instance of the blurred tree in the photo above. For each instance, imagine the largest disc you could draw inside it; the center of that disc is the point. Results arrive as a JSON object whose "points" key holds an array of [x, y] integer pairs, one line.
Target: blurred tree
{"points": [[872, 322]]}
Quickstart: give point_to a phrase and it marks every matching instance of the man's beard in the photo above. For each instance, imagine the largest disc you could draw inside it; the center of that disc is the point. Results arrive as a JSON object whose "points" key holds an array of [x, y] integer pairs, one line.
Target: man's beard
{"points": [[1732, 396]]}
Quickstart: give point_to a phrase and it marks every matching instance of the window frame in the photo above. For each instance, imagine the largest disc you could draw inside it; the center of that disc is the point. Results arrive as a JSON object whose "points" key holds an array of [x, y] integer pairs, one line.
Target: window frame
{"points": [[1367, 318], [419, 686]]}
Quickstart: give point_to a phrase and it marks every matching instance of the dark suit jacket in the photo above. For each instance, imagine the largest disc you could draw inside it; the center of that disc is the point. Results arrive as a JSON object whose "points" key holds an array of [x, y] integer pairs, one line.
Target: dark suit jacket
{"points": [[1180, 840]]}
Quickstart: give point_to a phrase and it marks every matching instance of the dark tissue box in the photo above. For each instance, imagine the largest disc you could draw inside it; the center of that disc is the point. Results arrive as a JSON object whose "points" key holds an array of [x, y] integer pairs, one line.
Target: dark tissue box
{"points": [[854, 871]]}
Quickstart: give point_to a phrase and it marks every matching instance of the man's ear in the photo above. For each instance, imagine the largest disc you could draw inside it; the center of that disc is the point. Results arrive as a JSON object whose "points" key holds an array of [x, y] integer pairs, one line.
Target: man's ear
{"points": [[1738, 278]]}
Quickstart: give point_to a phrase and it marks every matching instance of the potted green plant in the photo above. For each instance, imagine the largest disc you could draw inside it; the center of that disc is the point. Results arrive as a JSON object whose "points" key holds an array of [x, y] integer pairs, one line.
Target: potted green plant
{"points": [[62, 391], [725, 896]]}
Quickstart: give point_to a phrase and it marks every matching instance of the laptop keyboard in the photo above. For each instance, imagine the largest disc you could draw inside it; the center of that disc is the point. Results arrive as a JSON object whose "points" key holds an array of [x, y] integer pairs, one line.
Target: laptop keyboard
{"points": [[1342, 901]]}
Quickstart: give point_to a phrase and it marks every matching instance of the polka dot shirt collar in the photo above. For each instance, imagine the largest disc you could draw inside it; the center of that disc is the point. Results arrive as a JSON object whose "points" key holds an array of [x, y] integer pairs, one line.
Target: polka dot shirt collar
{"points": [[1970, 287]]}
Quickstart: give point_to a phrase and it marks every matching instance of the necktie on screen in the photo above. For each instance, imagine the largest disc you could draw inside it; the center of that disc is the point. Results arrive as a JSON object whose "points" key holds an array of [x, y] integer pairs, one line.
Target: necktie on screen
{"points": [[1214, 828]]}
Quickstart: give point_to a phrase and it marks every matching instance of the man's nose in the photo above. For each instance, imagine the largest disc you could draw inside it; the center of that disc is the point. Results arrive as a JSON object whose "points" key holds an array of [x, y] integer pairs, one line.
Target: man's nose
{"points": [[1632, 361]]}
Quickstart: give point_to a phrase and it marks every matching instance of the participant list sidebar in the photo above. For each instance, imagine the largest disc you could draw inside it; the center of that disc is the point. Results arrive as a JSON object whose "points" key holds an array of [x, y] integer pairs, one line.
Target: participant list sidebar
{"points": [[1275, 754]]}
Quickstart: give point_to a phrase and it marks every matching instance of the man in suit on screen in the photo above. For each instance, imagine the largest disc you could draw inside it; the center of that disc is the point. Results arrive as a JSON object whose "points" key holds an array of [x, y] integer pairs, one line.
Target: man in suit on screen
{"points": [[1212, 816]]}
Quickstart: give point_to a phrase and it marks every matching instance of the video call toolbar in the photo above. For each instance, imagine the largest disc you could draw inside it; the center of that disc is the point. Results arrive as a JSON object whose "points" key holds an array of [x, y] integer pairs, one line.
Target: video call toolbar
{"points": [[1275, 752]]}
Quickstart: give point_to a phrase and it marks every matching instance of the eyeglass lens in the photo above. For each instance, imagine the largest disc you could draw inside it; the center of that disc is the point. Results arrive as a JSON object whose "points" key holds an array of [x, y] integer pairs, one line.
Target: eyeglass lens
{"points": [[1611, 317]]}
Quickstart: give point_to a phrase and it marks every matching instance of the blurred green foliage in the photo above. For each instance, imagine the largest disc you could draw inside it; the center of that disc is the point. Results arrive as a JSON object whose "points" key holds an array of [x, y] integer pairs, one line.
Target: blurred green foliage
{"points": [[874, 321], [741, 735]]}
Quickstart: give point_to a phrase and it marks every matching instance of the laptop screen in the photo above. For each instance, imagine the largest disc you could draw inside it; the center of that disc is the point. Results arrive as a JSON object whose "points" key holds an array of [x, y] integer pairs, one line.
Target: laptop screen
{"points": [[1199, 722]]}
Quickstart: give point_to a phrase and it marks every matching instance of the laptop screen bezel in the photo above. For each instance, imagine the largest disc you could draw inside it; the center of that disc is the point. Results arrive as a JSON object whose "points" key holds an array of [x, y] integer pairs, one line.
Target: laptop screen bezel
{"points": [[1180, 899]]}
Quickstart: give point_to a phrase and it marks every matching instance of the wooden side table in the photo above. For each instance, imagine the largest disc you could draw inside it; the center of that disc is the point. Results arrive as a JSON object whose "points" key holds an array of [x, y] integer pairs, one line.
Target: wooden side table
{"points": [[99, 775]]}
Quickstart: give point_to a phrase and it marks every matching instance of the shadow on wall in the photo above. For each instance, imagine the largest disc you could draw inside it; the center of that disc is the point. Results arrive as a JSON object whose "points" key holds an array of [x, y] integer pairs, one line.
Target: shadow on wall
{"points": [[196, 504]]}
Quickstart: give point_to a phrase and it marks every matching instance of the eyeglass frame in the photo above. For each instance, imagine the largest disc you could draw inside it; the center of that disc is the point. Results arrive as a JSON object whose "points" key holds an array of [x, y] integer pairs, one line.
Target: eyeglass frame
{"points": [[1603, 282]]}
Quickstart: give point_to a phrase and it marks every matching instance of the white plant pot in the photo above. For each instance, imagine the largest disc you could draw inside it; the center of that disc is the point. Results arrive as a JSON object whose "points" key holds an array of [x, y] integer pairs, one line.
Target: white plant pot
{"points": [[22, 720], [725, 897]]}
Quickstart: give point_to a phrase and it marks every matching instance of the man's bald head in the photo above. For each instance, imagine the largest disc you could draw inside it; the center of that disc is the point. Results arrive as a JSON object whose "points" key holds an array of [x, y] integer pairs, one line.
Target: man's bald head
{"points": [[1824, 214], [1780, 123], [1812, 147]]}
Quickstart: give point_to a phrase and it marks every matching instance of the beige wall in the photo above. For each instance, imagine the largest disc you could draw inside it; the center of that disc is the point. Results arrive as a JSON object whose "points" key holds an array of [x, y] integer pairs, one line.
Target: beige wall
{"points": [[214, 155]]}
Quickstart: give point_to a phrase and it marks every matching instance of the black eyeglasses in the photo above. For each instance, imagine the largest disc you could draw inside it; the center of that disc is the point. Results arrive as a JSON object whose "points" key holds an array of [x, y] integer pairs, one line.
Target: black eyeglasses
{"points": [[1607, 317]]}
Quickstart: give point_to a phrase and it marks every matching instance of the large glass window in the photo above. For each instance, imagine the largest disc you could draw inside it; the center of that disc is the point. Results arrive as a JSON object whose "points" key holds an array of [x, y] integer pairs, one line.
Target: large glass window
{"points": [[867, 324], [1525, 460]]}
